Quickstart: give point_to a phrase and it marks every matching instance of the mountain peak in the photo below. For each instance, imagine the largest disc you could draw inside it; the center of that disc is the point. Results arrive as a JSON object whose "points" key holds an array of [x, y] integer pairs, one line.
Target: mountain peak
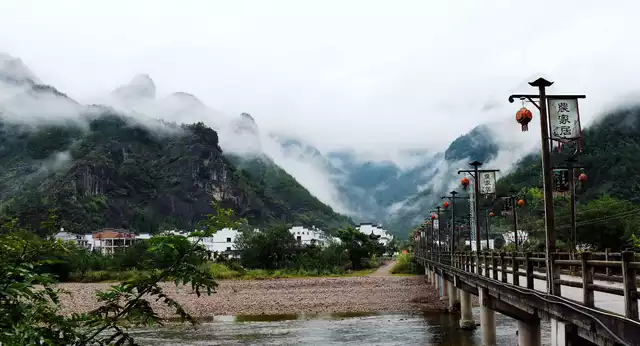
{"points": [[14, 70], [141, 86]]}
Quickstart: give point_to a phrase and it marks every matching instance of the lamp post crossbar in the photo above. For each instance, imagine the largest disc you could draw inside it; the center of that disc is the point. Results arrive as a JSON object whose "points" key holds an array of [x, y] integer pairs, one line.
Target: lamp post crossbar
{"points": [[553, 275], [475, 173]]}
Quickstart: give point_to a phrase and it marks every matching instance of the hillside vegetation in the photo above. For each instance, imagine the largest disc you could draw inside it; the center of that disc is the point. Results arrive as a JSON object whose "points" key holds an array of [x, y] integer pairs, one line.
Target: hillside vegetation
{"points": [[110, 171]]}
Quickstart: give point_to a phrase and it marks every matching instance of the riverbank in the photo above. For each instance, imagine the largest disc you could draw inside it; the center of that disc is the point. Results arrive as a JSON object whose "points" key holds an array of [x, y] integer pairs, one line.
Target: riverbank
{"points": [[285, 296]]}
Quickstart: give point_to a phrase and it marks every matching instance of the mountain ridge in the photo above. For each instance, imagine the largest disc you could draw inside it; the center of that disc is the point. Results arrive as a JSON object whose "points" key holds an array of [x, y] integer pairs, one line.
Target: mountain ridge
{"points": [[99, 167]]}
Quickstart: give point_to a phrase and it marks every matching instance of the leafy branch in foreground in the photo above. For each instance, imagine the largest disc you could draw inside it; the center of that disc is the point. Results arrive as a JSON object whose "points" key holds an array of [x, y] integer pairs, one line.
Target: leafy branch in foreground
{"points": [[31, 315]]}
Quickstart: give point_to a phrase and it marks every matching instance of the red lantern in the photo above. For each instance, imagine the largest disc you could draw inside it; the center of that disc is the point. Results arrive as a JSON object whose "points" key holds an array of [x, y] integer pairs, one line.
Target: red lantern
{"points": [[521, 203], [523, 117], [465, 182], [582, 178], [433, 216], [491, 214], [445, 204]]}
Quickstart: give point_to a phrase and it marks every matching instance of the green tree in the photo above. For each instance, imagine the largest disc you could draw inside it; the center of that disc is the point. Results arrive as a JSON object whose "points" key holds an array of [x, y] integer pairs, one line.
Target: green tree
{"points": [[274, 248], [32, 316], [357, 245]]}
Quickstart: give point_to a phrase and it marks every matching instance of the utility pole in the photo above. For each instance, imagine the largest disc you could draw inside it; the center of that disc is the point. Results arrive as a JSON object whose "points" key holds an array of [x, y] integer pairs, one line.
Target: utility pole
{"points": [[487, 215], [475, 173], [512, 197], [553, 275], [453, 198], [571, 177], [437, 211]]}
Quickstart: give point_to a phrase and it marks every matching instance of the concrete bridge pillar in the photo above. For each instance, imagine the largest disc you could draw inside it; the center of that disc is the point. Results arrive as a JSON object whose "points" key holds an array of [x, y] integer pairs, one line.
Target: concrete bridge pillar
{"points": [[435, 278], [466, 317], [443, 289], [487, 319], [529, 333], [562, 333], [452, 292]]}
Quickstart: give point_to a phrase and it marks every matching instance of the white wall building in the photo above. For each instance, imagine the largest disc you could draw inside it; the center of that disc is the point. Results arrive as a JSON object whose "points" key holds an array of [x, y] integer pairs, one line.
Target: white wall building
{"points": [[509, 237], [312, 236], [368, 229], [83, 240], [223, 241], [483, 244]]}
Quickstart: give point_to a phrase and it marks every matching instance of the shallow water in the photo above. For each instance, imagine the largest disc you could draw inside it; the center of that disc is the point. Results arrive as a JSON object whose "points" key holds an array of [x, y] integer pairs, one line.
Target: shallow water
{"points": [[429, 328]]}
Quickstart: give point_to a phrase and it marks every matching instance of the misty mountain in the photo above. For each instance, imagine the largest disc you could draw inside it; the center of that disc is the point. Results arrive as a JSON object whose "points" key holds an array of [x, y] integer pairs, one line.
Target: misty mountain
{"points": [[609, 157], [398, 196], [97, 166]]}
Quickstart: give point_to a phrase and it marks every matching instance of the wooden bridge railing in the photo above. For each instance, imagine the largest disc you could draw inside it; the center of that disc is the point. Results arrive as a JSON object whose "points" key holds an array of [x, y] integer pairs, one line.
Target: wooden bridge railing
{"points": [[607, 266]]}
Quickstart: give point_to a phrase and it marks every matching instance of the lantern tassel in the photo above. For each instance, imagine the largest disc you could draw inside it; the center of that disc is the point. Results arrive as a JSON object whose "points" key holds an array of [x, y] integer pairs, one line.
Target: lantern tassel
{"points": [[525, 128]]}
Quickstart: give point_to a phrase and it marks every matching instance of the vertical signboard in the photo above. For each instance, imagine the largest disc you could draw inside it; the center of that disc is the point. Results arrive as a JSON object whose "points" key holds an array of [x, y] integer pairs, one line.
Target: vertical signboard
{"points": [[487, 183], [564, 120]]}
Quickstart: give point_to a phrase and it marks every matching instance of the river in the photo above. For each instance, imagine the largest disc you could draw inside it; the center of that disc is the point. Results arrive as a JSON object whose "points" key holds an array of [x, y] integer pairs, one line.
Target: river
{"points": [[428, 328]]}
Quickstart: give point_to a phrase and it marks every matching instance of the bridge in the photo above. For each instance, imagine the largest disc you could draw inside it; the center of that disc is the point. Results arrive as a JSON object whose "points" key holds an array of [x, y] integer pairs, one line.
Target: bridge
{"points": [[608, 279]]}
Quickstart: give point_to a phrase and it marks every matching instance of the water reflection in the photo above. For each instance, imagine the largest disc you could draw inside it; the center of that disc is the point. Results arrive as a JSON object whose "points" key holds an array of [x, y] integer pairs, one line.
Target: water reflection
{"points": [[429, 328]]}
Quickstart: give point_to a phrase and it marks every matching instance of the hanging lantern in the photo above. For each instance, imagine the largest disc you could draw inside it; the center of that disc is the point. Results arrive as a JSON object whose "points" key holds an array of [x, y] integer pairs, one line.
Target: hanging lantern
{"points": [[491, 214], [433, 216], [465, 182], [523, 117], [445, 204], [521, 203], [582, 178]]}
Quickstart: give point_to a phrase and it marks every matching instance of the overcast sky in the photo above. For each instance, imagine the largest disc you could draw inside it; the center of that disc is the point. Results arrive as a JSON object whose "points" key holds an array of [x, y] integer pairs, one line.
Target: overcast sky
{"points": [[352, 73]]}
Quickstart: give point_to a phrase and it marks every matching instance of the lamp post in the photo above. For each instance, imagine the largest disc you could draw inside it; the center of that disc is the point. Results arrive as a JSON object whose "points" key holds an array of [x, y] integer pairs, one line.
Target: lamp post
{"points": [[439, 228], [571, 179], [513, 198], [475, 173], [553, 276], [488, 214], [452, 198]]}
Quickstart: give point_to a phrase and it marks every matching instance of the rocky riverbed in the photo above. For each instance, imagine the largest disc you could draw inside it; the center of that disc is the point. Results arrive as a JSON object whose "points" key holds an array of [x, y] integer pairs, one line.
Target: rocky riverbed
{"points": [[286, 296]]}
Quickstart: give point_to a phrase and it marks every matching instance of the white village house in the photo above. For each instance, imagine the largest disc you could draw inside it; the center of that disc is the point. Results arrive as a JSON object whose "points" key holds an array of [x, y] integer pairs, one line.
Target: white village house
{"points": [[377, 230]]}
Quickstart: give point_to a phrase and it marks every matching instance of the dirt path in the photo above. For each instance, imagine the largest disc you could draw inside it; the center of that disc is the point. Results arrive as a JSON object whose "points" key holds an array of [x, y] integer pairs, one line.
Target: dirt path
{"points": [[285, 296], [385, 270]]}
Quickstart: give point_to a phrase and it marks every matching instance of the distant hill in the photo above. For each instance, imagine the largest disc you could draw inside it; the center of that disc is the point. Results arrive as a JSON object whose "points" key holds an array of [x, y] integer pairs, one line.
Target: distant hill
{"points": [[94, 167]]}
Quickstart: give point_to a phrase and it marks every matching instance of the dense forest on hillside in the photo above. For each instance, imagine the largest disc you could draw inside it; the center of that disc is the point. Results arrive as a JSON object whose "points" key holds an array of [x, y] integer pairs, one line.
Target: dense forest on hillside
{"points": [[607, 203], [111, 171]]}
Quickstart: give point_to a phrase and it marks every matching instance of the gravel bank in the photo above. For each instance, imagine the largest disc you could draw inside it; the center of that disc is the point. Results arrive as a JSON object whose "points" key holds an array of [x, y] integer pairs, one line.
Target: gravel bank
{"points": [[286, 296]]}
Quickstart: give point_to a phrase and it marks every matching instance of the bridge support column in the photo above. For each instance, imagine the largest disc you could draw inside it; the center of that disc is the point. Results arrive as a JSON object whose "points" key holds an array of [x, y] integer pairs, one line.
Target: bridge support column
{"points": [[466, 317], [443, 289], [427, 274], [452, 292], [487, 319], [562, 333], [529, 333], [435, 278]]}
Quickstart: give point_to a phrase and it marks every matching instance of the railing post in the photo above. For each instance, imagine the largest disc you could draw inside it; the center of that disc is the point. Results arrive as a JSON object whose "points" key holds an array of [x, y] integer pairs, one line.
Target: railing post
{"points": [[529, 268], [494, 265], [554, 281], [606, 258], [515, 269], [503, 268], [487, 272], [630, 286], [587, 280], [471, 258]]}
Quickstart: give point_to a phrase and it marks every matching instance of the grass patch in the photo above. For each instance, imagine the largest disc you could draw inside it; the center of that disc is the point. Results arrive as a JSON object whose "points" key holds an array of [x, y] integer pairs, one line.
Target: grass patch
{"points": [[222, 272], [405, 266]]}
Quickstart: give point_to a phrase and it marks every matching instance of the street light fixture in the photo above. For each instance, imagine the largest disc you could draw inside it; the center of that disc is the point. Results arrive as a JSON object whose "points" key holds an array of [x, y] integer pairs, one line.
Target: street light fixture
{"points": [[553, 275], [475, 173]]}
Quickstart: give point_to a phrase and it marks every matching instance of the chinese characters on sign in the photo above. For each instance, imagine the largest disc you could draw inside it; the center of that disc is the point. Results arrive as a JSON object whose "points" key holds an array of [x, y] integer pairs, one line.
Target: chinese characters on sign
{"points": [[507, 203], [561, 180], [564, 121], [487, 183]]}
